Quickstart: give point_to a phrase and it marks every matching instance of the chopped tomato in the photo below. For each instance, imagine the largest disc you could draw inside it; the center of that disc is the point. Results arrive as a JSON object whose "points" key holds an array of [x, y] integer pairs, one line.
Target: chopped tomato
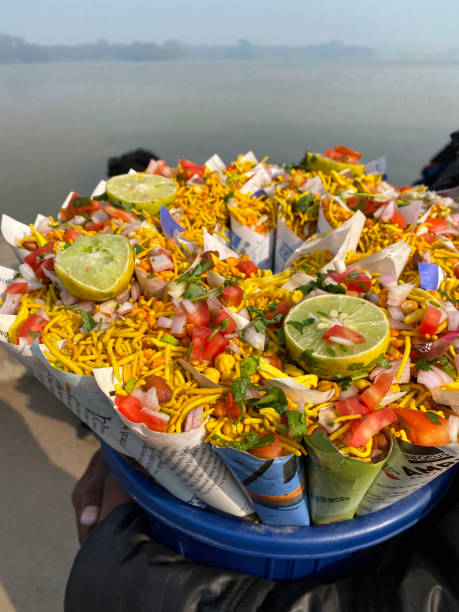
{"points": [[350, 405], [190, 169], [363, 430], [421, 429], [131, 408], [339, 331], [201, 316], [73, 208], [398, 219], [353, 279], [204, 349], [32, 328], [270, 451], [35, 259], [71, 235], [162, 168], [439, 225], [282, 308], [232, 407], [223, 316], [430, 321], [274, 361], [343, 154], [119, 213], [17, 287], [48, 264], [214, 347], [90, 226], [232, 295], [372, 396], [247, 268]]}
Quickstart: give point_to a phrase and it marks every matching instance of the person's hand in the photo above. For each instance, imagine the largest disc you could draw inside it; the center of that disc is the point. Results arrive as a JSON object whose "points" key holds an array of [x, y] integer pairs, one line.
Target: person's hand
{"points": [[95, 495]]}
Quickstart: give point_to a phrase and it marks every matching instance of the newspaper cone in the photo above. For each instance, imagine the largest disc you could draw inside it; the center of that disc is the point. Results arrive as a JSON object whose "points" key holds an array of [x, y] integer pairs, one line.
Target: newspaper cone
{"points": [[337, 483], [259, 247], [408, 468], [390, 260], [275, 486], [339, 241], [13, 231], [192, 462], [286, 243]]}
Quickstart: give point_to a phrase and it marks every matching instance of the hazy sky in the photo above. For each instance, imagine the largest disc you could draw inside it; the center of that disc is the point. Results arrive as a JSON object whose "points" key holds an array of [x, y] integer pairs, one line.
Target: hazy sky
{"points": [[384, 24]]}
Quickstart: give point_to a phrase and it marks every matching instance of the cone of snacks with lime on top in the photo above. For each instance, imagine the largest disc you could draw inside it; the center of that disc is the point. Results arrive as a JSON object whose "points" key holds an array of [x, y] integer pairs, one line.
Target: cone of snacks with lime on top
{"points": [[294, 394]]}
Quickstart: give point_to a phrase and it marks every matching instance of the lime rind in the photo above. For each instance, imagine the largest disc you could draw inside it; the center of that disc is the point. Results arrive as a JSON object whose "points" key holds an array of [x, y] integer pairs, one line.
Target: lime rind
{"points": [[329, 359], [96, 268], [145, 191]]}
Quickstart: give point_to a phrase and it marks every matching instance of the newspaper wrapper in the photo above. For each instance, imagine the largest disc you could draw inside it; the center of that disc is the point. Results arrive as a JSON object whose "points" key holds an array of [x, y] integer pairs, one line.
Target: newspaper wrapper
{"points": [[13, 231], [336, 482], [408, 468], [339, 241], [286, 243], [259, 247], [376, 166], [214, 243], [390, 260], [194, 464], [276, 486], [322, 223]]}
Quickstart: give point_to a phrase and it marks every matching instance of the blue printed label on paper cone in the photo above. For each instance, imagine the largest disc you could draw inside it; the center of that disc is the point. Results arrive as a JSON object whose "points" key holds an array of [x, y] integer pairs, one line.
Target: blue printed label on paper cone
{"points": [[276, 487], [168, 224], [429, 275]]}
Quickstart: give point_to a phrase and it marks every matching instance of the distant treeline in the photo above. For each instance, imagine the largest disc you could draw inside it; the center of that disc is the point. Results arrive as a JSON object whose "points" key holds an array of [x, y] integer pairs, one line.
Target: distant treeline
{"points": [[14, 49]]}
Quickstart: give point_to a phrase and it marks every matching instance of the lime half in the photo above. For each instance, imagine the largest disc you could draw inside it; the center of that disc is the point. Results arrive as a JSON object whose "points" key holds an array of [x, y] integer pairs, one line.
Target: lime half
{"points": [[146, 191], [96, 268], [308, 321]]}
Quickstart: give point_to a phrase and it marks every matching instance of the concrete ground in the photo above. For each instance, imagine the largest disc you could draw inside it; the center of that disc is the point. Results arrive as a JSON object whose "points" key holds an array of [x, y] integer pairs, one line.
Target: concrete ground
{"points": [[43, 452]]}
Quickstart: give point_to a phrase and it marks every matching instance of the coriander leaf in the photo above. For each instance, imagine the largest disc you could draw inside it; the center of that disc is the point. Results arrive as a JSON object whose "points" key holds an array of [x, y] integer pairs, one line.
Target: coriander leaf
{"points": [[138, 248], [274, 398], [169, 339], [34, 334], [433, 417], [81, 201], [239, 389], [252, 440], [281, 335], [356, 366], [194, 291], [331, 351], [345, 383], [195, 273], [87, 322], [305, 202], [297, 423], [300, 325], [249, 365]]}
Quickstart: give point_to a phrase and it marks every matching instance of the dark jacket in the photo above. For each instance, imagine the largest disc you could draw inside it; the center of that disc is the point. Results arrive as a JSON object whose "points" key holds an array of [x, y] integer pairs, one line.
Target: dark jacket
{"points": [[121, 568]]}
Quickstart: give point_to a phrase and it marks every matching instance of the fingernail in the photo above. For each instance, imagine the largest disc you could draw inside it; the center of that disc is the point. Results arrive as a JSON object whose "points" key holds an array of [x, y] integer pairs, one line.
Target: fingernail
{"points": [[89, 515]]}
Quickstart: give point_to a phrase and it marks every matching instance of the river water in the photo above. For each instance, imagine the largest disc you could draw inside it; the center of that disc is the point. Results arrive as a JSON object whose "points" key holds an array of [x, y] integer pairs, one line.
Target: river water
{"points": [[59, 123]]}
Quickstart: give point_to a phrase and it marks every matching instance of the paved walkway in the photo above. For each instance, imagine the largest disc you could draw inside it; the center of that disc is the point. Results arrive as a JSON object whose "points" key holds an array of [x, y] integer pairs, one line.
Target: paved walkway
{"points": [[43, 452]]}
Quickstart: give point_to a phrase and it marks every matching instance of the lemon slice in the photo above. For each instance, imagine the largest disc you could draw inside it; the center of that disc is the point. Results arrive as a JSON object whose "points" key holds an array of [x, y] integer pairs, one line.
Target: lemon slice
{"points": [[316, 162], [96, 268], [307, 322], [146, 191]]}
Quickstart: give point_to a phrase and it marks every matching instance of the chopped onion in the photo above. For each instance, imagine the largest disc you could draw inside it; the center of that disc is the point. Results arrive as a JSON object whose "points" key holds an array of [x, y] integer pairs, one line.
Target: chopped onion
{"points": [[67, 298], [77, 220], [124, 308], [135, 292], [108, 307], [178, 324], [23, 342], [233, 347], [244, 313], [151, 399], [139, 394], [176, 290], [431, 350], [388, 281], [398, 294], [27, 272], [435, 377], [391, 397], [53, 278], [326, 417], [193, 419], [453, 423], [161, 262], [41, 313], [350, 392], [44, 226], [164, 322], [394, 366], [344, 341], [256, 339], [86, 306], [214, 280], [396, 313], [11, 303], [394, 324], [215, 307], [100, 216], [189, 307], [252, 393], [131, 228], [150, 287], [123, 296]]}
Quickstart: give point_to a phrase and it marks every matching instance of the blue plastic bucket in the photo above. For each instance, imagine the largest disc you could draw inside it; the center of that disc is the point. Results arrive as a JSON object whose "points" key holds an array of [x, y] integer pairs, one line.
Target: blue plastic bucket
{"points": [[278, 553]]}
